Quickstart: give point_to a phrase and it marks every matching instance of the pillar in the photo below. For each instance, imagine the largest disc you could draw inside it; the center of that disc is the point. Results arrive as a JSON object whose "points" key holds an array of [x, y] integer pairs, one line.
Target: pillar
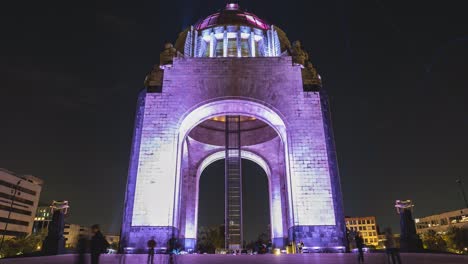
{"points": [[225, 43], [239, 44]]}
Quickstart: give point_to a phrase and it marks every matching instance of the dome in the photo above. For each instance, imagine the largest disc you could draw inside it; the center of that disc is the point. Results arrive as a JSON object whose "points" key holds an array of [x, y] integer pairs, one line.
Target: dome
{"points": [[232, 15], [232, 32]]}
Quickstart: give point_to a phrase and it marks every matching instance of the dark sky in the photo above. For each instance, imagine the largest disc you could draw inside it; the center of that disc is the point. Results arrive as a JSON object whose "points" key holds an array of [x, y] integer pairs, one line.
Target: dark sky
{"points": [[256, 210], [396, 72]]}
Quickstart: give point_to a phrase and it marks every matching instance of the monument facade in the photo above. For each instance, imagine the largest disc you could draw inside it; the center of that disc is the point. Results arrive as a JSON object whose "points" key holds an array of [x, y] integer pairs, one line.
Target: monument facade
{"points": [[233, 74]]}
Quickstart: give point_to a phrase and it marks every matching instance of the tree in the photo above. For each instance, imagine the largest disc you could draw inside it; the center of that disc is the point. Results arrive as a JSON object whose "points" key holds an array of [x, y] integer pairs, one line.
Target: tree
{"points": [[21, 245], [210, 239], [114, 246], [434, 241], [457, 238], [261, 244]]}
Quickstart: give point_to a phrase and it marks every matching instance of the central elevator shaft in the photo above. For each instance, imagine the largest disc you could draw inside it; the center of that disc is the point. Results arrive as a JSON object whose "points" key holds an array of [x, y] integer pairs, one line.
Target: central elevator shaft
{"points": [[233, 184]]}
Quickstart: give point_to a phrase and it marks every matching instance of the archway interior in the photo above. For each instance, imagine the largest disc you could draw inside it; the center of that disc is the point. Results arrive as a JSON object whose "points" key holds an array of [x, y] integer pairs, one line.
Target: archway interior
{"points": [[256, 208], [261, 140], [253, 131]]}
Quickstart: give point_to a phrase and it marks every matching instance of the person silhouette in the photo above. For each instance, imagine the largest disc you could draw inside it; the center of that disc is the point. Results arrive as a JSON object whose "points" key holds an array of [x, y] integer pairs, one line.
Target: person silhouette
{"points": [[81, 248], [151, 245], [99, 244], [360, 246], [393, 255]]}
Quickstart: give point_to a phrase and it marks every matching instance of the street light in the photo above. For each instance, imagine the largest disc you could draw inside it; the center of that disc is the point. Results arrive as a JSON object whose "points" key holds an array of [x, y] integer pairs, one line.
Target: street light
{"points": [[15, 190], [460, 184]]}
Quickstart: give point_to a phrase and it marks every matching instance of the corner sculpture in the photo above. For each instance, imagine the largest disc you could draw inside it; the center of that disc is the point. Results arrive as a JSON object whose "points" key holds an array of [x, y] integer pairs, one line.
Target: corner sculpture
{"points": [[409, 239], [54, 243]]}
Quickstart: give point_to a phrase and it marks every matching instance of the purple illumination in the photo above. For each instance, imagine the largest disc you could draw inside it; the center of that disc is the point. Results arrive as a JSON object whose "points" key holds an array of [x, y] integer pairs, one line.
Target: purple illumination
{"points": [[162, 190], [232, 15], [276, 210], [232, 6]]}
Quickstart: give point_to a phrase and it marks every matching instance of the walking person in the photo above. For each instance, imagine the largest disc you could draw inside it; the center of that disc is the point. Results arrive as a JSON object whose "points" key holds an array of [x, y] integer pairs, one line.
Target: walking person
{"points": [[360, 246], [393, 254], [151, 245], [99, 244]]}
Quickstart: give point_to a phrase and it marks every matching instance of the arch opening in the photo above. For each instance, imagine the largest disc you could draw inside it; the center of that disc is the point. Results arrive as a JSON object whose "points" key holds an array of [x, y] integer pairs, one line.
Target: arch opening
{"points": [[201, 140], [256, 210]]}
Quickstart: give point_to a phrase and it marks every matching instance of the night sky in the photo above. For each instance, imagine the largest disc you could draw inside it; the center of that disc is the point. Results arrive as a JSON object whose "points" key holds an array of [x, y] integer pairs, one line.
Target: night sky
{"points": [[256, 208], [396, 72]]}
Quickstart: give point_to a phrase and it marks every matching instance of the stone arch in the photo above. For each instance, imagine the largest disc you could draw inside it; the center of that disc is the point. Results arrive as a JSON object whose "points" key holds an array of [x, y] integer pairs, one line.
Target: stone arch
{"points": [[237, 106], [232, 106], [249, 155]]}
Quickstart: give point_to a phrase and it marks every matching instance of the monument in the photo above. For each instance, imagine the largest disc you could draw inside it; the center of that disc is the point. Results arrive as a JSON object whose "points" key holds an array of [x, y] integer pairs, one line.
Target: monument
{"points": [[409, 239], [54, 243], [233, 87]]}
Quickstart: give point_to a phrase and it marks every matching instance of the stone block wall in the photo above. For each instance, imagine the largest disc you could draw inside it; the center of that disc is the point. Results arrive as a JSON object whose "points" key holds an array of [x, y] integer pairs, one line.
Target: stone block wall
{"points": [[192, 82]]}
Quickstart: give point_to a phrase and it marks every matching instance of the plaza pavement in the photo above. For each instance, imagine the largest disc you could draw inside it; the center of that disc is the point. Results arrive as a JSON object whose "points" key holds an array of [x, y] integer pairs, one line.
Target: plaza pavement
{"points": [[376, 258]]}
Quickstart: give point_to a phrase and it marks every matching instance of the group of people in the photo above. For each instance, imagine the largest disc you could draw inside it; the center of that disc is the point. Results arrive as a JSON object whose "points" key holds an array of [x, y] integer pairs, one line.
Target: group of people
{"points": [[96, 245], [393, 254], [173, 246]]}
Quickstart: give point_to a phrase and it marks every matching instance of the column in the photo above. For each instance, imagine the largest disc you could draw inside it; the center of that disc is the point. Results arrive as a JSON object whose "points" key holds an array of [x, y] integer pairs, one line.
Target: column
{"points": [[212, 45], [252, 43], [239, 44], [195, 44], [269, 46], [273, 42], [188, 47], [225, 43]]}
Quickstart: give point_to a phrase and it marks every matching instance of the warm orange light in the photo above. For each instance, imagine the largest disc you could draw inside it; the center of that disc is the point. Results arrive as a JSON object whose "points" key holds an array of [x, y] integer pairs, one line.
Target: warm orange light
{"points": [[243, 118]]}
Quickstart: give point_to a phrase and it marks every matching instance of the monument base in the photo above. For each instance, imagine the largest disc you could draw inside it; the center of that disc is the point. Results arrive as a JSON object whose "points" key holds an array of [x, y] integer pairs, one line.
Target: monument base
{"points": [[411, 245], [53, 245], [317, 236], [279, 242], [189, 244], [140, 235]]}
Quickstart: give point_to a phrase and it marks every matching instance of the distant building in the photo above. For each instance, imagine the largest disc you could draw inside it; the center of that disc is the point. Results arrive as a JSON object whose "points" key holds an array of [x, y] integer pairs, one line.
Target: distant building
{"points": [[383, 238], [367, 226], [111, 239], [19, 198], [42, 219], [72, 232], [442, 222]]}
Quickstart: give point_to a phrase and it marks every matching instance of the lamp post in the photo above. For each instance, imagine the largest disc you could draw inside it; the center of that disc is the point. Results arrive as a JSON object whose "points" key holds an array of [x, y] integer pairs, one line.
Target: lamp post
{"points": [[460, 184], [15, 190]]}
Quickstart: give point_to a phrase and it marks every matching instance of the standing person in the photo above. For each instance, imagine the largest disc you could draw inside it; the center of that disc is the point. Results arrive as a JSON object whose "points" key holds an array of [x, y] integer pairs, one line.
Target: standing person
{"points": [[151, 245], [301, 247], [81, 249], [99, 244], [360, 245], [393, 255]]}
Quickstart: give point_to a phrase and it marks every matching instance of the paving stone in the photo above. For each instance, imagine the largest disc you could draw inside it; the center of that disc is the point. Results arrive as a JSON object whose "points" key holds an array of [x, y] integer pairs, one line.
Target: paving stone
{"points": [[373, 258]]}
